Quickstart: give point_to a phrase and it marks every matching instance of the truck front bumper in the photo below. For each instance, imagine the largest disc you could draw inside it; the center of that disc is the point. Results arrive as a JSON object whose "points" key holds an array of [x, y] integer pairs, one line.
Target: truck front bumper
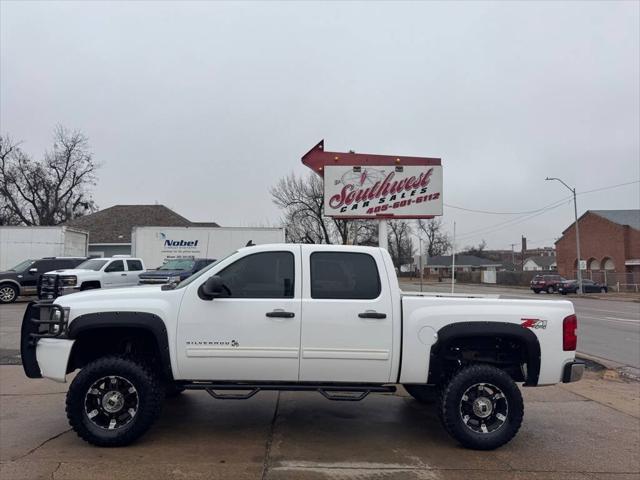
{"points": [[573, 371], [52, 355]]}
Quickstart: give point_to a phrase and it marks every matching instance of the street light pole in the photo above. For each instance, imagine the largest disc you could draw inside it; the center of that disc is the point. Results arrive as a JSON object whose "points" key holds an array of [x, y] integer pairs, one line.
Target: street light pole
{"points": [[575, 213]]}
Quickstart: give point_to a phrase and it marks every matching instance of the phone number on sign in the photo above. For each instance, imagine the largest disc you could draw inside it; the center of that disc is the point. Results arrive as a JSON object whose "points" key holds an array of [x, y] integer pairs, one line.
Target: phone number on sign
{"points": [[403, 203]]}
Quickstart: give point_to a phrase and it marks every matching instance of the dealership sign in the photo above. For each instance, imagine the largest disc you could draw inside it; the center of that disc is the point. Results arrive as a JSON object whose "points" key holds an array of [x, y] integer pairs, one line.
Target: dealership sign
{"points": [[383, 191], [363, 185]]}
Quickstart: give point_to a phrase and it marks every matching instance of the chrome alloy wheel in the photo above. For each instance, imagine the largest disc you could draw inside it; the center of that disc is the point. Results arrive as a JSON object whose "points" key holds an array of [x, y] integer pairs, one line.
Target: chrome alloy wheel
{"points": [[7, 294], [111, 402], [484, 408]]}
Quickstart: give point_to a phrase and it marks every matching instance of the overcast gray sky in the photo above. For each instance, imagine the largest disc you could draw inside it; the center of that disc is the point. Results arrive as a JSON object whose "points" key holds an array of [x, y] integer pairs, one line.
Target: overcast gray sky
{"points": [[203, 106]]}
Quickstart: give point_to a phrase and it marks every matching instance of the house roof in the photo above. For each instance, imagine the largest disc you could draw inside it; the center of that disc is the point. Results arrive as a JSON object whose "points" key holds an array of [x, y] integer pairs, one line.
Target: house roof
{"points": [[542, 260], [114, 224], [621, 217], [461, 261]]}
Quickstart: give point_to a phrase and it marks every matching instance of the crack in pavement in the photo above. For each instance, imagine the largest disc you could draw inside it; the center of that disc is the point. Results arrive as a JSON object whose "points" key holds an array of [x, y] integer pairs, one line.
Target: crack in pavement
{"points": [[267, 453], [56, 469], [42, 444]]}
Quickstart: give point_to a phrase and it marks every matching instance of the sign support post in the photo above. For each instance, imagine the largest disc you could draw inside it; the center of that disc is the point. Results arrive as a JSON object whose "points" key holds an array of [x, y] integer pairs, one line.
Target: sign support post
{"points": [[383, 238]]}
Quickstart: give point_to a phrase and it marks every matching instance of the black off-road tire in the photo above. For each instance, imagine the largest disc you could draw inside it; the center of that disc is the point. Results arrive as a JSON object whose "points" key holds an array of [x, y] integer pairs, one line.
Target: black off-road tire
{"points": [[550, 290], [452, 406], [536, 291], [149, 395], [9, 293], [423, 393]]}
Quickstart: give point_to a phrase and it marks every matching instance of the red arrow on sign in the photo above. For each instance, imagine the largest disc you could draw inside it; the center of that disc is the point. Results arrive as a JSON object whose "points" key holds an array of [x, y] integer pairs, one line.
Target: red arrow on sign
{"points": [[317, 158]]}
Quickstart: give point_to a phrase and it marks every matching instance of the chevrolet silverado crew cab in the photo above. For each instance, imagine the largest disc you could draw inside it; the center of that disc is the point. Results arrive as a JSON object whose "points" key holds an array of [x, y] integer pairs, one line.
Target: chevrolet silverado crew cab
{"points": [[93, 273], [297, 317]]}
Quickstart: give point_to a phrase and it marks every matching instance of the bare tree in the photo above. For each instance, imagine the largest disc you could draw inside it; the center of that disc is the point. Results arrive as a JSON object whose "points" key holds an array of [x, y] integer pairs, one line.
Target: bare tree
{"points": [[49, 191], [302, 202], [301, 199], [400, 242], [478, 251], [437, 241]]}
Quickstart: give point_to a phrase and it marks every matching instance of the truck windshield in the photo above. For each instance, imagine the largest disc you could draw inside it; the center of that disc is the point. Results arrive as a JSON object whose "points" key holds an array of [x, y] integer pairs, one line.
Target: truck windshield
{"points": [[92, 264], [22, 266], [196, 275], [178, 264]]}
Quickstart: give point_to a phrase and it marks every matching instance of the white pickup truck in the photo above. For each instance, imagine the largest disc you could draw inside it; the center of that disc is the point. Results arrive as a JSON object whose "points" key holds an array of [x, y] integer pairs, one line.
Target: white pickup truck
{"points": [[297, 317], [111, 272]]}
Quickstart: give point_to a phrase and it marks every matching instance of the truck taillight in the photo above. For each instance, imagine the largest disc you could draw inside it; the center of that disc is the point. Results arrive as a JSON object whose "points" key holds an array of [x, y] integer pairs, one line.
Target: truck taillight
{"points": [[569, 336]]}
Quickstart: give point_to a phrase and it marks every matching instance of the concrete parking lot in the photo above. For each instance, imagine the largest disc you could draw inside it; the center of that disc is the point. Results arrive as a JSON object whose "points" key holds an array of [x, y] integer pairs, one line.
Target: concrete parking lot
{"points": [[587, 430]]}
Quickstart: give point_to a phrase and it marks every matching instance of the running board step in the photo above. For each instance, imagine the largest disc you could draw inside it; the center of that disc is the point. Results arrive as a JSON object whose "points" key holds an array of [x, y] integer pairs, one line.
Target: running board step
{"points": [[344, 393]]}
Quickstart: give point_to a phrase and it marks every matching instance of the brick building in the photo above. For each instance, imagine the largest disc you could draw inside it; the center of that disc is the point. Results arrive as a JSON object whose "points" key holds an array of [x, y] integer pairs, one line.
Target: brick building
{"points": [[610, 244]]}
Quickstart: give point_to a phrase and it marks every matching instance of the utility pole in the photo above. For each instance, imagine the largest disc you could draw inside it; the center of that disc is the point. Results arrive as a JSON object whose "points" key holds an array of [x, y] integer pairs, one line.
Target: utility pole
{"points": [[513, 254], [575, 214], [453, 260], [420, 262]]}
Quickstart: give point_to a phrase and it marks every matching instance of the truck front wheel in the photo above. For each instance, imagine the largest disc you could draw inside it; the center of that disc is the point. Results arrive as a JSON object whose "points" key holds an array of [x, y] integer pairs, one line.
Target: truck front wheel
{"points": [[113, 401], [8, 293], [481, 407]]}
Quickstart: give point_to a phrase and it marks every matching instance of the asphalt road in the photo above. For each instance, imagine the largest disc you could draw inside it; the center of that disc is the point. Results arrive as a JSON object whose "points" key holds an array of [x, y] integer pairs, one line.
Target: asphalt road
{"points": [[608, 329]]}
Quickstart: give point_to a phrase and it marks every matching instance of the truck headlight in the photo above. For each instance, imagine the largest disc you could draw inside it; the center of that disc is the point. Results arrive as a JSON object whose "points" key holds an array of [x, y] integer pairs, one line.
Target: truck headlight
{"points": [[61, 317], [174, 279], [69, 281]]}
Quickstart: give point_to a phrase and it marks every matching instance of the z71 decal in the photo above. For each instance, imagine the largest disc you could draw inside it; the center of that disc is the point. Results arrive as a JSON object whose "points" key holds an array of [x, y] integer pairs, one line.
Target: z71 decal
{"points": [[534, 323]]}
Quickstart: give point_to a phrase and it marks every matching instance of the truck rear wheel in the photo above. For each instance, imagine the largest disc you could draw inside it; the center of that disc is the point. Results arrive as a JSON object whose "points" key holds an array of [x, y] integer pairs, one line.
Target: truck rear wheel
{"points": [[481, 407], [113, 401]]}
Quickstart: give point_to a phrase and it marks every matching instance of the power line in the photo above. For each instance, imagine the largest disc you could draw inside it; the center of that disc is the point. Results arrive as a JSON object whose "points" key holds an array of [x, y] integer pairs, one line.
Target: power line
{"points": [[487, 212], [514, 221], [608, 188]]}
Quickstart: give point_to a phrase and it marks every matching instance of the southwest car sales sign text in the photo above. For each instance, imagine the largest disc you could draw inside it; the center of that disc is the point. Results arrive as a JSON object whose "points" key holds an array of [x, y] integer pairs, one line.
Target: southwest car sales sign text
{"points": [[409, 191]]}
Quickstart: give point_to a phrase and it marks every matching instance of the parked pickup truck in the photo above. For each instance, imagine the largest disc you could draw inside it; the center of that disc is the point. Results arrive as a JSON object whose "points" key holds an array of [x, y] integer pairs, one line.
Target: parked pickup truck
{"points": [[93, 273], [297, 317], [174, 271]]}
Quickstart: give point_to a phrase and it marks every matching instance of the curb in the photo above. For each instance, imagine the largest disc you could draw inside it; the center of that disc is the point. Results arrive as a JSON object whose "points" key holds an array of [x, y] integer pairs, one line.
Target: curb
{"points": [[598, 363]]}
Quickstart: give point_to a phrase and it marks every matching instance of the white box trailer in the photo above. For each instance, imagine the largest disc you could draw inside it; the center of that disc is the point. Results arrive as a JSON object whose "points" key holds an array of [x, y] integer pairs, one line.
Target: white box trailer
{"points": [[156, 245], [24, 243]]}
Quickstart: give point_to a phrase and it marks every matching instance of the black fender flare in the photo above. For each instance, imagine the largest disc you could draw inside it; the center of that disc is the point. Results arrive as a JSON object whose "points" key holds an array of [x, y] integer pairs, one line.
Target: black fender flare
{"points": [[449, 333], [140, 320]]}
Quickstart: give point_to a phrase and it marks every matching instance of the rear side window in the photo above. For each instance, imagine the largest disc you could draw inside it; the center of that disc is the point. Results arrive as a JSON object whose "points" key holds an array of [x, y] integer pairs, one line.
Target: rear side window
{"points": [[134, 265], [343, 275], [261, 275], [117, 266]]}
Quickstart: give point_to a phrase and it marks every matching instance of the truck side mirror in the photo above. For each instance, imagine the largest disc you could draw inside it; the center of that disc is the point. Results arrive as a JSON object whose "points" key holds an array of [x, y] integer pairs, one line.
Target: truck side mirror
{"points": [[213, 288], [33, 270]]}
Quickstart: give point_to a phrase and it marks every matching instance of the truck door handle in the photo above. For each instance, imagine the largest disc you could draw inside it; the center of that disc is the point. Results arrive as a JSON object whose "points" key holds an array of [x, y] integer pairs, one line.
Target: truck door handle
{"points": [[372, 314], [280, 314], [123, 274]]}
